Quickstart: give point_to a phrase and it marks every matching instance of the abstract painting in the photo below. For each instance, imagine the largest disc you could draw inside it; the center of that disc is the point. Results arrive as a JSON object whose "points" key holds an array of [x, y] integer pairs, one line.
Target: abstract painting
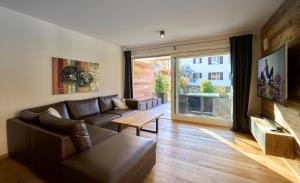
{"points": [[73, 76]]}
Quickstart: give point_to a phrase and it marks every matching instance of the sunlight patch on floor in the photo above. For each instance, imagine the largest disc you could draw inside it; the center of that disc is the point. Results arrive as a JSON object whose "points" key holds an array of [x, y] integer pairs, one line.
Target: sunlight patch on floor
{"points": [[242, 145]]}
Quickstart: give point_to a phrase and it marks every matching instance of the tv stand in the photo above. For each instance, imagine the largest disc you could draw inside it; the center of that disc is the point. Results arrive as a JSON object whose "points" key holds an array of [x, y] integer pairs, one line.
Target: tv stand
{"points": [[277, 127], [272, 138]]}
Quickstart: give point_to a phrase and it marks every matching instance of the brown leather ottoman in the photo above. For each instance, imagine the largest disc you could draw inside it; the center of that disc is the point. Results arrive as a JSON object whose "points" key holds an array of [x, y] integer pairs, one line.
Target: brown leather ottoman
{"points": [[119, 159]]}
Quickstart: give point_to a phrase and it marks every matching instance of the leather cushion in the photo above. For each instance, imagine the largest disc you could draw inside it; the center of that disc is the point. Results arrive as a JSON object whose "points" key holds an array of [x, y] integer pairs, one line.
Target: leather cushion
{"points": [[102, 119], [114, 160], [75, 128], [29, 116], [132, 103], [106, 102], [121, 112], [60, 107], [98, 134], [82, 108]]}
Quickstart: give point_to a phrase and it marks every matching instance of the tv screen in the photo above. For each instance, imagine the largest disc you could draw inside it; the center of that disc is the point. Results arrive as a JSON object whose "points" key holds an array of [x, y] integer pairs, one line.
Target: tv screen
{"points": [[272, 76]]}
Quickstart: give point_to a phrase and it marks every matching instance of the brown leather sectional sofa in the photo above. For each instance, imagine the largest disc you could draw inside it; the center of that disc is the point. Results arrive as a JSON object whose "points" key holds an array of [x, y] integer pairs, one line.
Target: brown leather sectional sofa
{"points": [[113, 157]]}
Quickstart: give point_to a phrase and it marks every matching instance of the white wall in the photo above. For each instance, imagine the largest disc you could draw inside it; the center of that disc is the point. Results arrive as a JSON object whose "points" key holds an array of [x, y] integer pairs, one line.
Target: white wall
{"points": [[26, 47]]}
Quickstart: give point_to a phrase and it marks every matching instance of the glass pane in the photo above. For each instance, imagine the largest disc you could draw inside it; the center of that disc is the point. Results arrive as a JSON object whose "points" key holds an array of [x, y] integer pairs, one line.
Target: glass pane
{"points": [[203, 88]]}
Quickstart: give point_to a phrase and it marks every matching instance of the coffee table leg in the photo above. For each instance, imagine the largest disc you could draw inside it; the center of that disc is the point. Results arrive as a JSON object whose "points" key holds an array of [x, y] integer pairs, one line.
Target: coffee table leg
{"points": [[156, 127], [138, 131], [119, 128]]}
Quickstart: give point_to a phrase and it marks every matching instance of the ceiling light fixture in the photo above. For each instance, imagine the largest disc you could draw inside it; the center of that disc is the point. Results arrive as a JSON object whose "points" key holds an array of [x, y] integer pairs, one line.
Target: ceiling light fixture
{"points": [[162, 34]]}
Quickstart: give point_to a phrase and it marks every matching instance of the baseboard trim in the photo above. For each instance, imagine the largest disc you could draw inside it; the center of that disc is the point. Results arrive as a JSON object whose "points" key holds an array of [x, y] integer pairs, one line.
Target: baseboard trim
{"points": [[4, 156]]}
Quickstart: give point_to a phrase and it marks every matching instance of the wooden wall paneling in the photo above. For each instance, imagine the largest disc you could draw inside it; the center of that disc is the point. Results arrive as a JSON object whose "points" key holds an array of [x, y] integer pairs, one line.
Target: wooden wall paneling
{"points": [[143, 80], [293, 73], [283, 27]]}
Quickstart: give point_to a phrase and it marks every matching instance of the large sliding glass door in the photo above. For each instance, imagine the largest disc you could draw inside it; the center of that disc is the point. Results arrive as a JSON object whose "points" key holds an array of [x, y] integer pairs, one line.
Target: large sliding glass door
{"points": [[202, 86]]}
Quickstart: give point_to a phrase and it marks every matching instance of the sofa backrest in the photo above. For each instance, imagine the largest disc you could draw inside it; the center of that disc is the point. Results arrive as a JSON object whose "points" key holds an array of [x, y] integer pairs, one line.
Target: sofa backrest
{"points": [[106, 103], [60, 107], [82, 108]]}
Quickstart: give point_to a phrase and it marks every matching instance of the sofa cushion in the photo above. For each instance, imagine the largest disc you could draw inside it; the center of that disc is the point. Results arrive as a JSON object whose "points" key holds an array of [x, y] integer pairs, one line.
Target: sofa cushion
{"points": [[29, 116], [121, 112], [53, 112], [119, 103], [98, 134], [106, 102], [60, 107], [101, 119], [115, 160], [82, 108], [132, 103], [75, 128]]}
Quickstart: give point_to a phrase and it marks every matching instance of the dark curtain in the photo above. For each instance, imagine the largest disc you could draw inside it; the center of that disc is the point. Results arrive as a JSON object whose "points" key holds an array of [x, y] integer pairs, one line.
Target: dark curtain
{"points": [[128, 93], [241, 64]]}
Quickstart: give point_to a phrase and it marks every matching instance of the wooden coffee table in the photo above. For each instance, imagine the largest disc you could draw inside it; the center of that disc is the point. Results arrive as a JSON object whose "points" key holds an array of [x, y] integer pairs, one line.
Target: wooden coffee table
{"points": [[138, 120]]}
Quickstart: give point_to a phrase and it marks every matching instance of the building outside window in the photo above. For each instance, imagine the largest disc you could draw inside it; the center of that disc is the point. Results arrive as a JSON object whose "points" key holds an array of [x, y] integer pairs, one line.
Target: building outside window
{"points": [[197, 61], [214, 60], [197, 76], [215, 76], [196, 72], [207, 89]]}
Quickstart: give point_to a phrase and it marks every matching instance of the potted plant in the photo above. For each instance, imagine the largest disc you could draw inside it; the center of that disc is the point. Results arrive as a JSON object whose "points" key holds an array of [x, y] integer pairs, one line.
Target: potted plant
{"points": [[161, 86]]}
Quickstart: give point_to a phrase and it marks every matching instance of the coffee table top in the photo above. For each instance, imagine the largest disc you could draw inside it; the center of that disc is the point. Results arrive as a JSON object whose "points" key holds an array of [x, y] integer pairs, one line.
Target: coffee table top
{"points": [[138, 119]]}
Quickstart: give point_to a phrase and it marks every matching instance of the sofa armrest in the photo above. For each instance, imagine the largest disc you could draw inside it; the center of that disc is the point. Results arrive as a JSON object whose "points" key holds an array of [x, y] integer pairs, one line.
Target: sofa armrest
{"points": [[132, 103], [18, 140], [48, 150], [62, 145], [38, 148]]}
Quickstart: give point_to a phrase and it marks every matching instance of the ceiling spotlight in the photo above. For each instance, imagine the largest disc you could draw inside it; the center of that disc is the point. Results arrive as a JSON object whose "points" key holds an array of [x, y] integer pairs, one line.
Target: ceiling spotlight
{"points": [[162, 34]]}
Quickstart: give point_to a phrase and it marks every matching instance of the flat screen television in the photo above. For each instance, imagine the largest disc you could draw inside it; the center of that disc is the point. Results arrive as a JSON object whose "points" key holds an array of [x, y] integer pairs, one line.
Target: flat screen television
{"points": [[272, 76]]}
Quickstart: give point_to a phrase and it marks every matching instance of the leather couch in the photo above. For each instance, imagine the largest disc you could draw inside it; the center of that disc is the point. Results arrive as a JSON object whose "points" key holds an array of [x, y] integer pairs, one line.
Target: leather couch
{"points": [[113, 157]]}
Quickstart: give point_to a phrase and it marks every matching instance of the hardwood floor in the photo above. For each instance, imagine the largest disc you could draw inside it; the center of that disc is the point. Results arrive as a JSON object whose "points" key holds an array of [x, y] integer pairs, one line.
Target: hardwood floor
{"points": [[191, 153]]}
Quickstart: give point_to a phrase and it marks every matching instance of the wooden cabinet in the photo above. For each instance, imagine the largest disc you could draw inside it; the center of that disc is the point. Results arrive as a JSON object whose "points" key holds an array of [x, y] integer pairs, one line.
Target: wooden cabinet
{"points": [[280, 144]]}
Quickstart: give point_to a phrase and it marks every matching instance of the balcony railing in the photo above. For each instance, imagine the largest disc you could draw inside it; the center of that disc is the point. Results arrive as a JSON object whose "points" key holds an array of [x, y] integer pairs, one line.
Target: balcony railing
{"points": [[211, 104]]}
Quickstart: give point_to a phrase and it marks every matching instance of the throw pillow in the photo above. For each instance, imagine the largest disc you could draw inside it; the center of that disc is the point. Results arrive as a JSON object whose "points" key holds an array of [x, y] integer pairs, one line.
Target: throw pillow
{"points": [[54, 112], [75, 128], [119, 103]]}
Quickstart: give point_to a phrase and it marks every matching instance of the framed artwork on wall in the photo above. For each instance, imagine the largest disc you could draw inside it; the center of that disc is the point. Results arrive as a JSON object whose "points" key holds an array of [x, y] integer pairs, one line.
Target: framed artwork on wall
{"points": [[73, 76]]}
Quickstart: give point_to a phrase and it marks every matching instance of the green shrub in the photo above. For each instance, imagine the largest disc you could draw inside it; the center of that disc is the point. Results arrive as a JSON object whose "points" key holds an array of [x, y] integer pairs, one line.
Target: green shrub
{"points": [[206, 87], [161, 84], [220, 90]]}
